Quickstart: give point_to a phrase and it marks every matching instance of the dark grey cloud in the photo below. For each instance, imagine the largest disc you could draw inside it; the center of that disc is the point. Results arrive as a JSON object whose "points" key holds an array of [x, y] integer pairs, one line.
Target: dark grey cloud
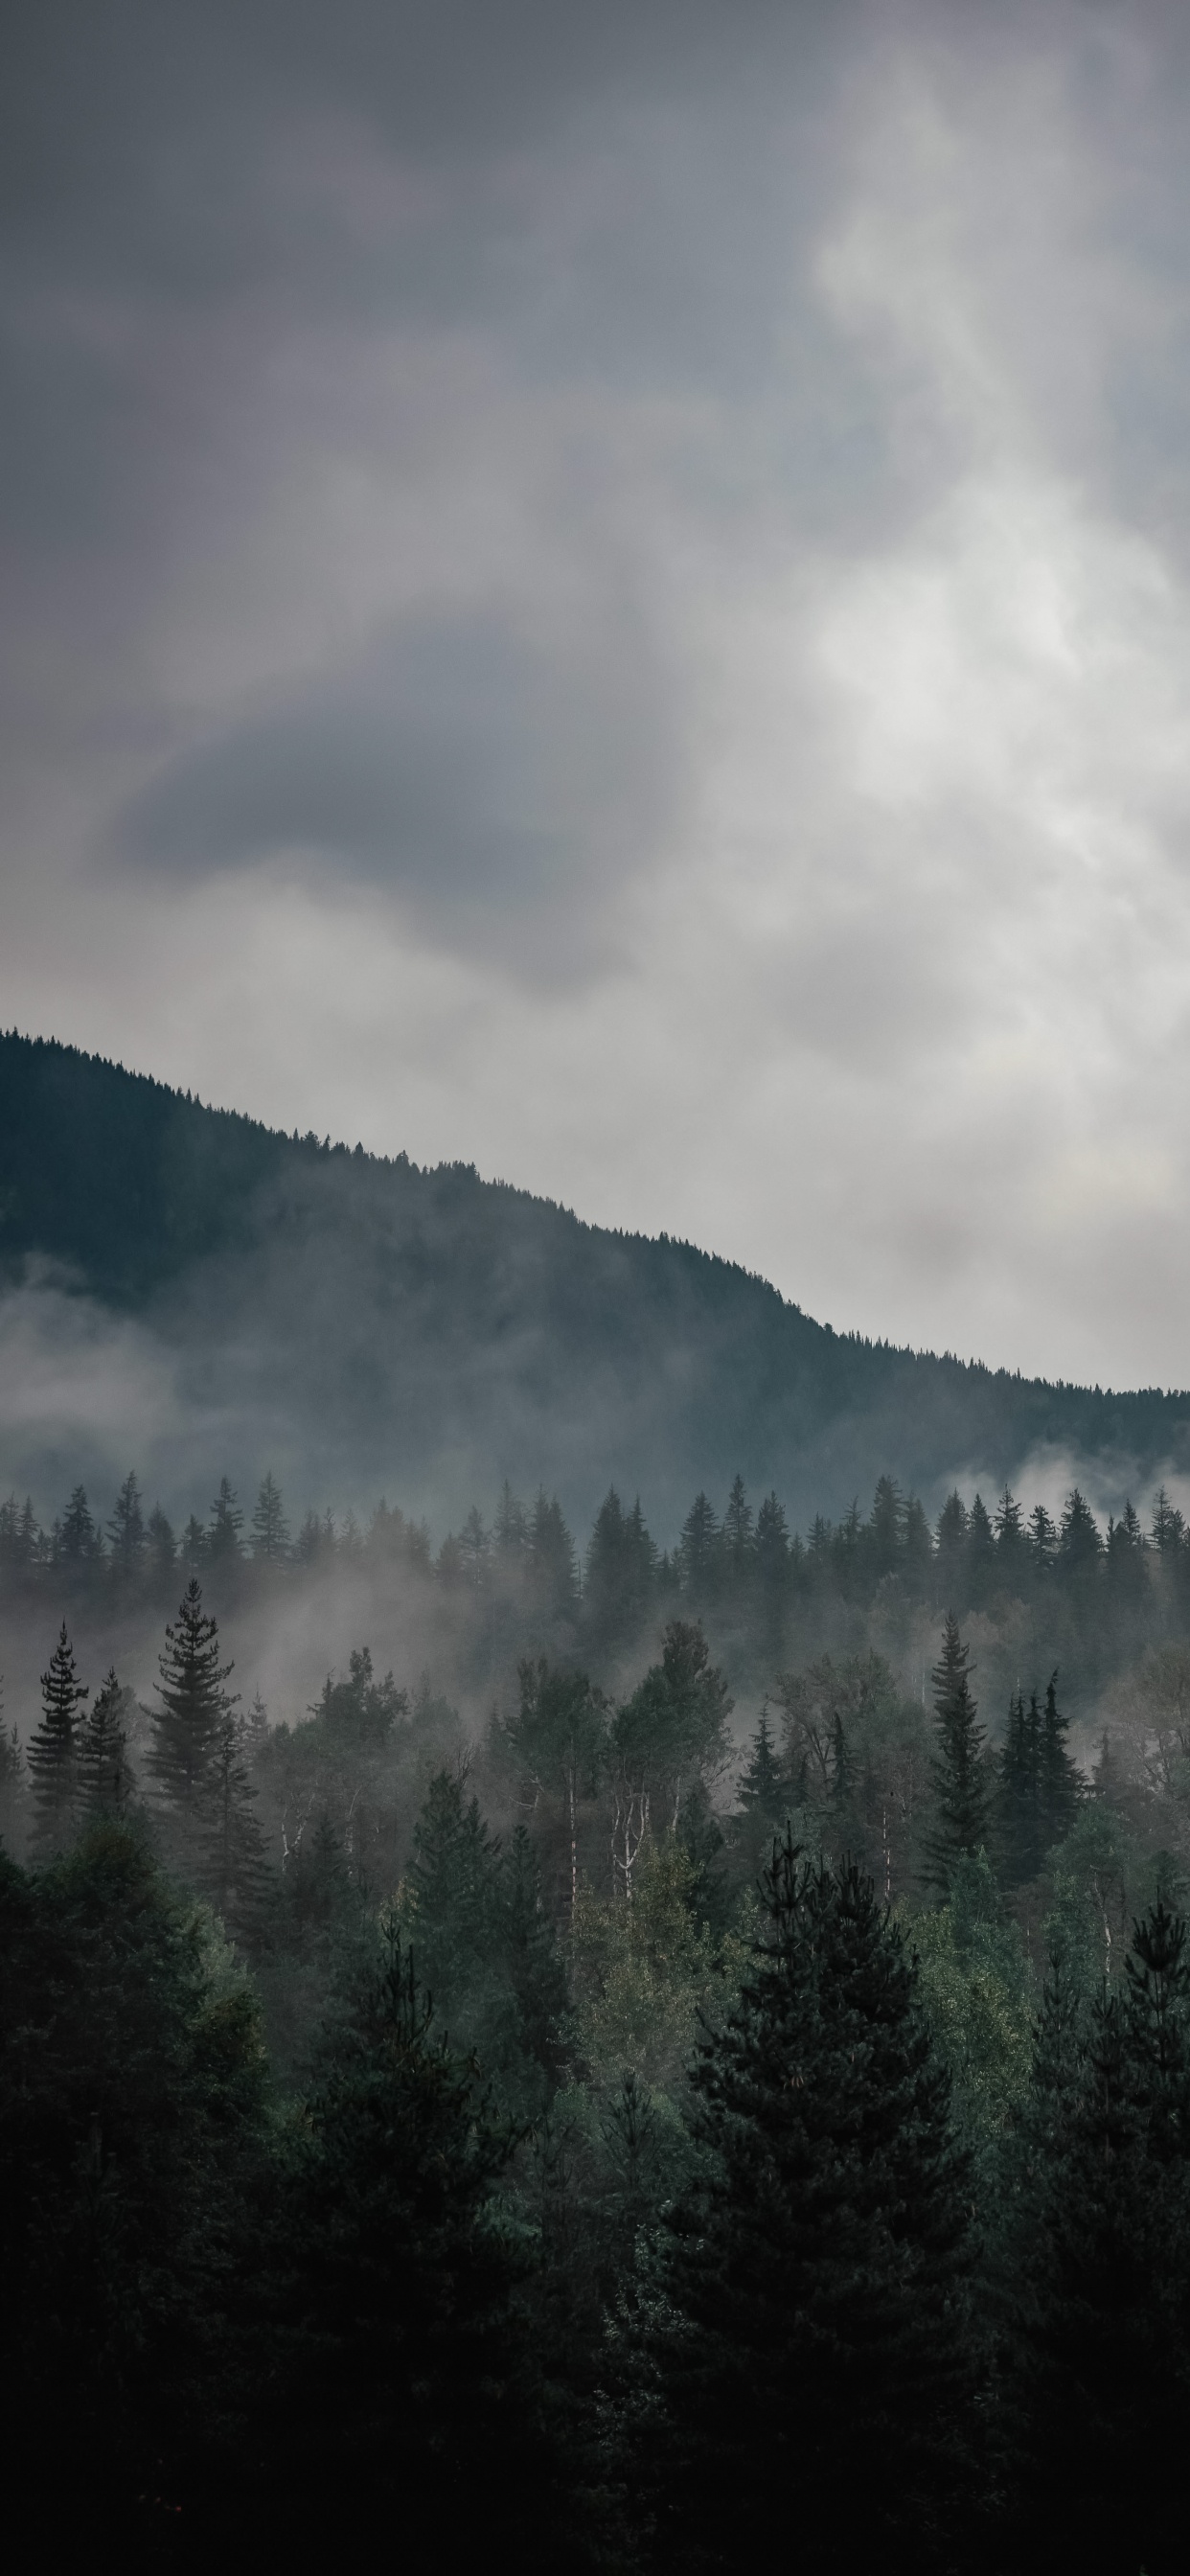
{"points": [[498, 785]]}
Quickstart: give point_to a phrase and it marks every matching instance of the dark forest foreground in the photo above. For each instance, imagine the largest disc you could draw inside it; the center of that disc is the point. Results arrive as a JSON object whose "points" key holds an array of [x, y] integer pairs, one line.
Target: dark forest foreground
{"points": [[647, 2223]]}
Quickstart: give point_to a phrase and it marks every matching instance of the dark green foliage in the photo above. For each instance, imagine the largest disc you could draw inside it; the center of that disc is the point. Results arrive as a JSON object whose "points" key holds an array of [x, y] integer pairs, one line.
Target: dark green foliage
{"points": [[131, 2110], [558, 1741], [805, 2346], [53, 1754], [188, 1727], [485, 1954], [962, 1803], [231, 1861], [398, 2383], [1102, 2381], [105, 1782], [672, 1732]]}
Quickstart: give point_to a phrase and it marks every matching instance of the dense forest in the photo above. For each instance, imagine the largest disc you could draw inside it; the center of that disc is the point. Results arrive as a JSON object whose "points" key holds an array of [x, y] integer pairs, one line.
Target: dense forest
{"points": [[709, 2053], [367, 1324]]}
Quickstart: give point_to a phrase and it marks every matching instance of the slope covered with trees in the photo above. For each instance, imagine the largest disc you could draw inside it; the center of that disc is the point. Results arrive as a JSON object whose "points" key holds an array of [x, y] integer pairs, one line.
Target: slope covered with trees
{"points": [[378, 1323]]}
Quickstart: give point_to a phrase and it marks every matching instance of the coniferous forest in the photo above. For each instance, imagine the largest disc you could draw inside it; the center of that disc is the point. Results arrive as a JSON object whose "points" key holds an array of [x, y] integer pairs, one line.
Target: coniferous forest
{"points": [[703, 2051]]}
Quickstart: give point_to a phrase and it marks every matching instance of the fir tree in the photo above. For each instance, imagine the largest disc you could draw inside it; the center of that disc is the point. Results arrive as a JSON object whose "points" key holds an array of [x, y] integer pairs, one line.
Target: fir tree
{"points": [[1060, 1787], [981, 1553], [104, 1770], [763, 1790], [737, 1532], [53, 1750], [810, 2314], [1020, 1826], [886, 1529], [552, 1560], [188, 1725], [126, 1528], [699, 1550], [270, 1529], [961, 1802], [1103, 2362], [1043, 1541], [771, 1548], [161, 1547], [223, 1530], [77, 1541]]}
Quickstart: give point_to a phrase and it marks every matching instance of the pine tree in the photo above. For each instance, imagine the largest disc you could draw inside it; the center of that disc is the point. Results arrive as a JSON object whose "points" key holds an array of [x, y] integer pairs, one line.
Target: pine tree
{"points": [[1020, 1827], [1010, 1537], [763, 1790], [1080, 1546], [950, 1546], [1102, 2381], [771, 1548], [699, 1550], [270, 1529], [552, 1560], [53, 1750], [188, 1725], [737, 1533], [886, 1529], [223, 1531], [126, 1528], [961, 1801], [981, 1553], [104, 1770], [810, 2314], [161, 1546], [1060, 1787], [1043, 1541], [77, 1541]]}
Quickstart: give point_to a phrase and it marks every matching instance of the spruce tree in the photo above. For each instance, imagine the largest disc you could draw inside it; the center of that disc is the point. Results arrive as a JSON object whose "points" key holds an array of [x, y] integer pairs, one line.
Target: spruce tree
{"points": [[1101, 2387], [1060, 1786], [161, 1547], [223, 1530], [1020, 1826], [53, 1750], [961, 1801], [270, 1529], [188, 1724], [104, 1770], [807, 2323], [126, 1528]]}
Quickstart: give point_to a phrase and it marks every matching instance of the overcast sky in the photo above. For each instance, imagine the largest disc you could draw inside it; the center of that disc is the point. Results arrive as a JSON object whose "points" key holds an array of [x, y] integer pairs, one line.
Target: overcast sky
{"points": [[605, 590]]}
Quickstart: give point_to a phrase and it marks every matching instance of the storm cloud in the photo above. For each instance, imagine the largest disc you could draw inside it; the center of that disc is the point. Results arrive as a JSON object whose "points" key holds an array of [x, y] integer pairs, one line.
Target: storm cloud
{"points": [[607, 592]]}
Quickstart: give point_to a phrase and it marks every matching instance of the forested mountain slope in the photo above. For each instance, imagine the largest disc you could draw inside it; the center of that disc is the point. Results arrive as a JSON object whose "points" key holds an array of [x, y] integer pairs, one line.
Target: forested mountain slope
{"points": [[367, 1322]]}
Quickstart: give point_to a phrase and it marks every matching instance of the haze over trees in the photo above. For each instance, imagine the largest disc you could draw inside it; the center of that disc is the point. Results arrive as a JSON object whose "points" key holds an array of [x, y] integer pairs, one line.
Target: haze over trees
{"points": [[368, 1321]]}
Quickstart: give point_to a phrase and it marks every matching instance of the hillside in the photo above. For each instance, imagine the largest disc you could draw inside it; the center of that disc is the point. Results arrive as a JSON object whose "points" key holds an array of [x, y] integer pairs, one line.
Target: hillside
{"points": [[368, 1324]]}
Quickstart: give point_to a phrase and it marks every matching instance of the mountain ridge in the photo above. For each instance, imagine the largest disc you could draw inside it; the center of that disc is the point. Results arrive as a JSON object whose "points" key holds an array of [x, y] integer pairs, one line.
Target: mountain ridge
{"points": [[373, 1318]]}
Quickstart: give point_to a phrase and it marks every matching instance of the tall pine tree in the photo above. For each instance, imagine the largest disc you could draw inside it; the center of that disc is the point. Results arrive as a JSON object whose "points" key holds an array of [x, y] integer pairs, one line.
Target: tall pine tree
{"points": [[188, 1724], [962, 1806], [811, 2300], [54, 1749]]}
